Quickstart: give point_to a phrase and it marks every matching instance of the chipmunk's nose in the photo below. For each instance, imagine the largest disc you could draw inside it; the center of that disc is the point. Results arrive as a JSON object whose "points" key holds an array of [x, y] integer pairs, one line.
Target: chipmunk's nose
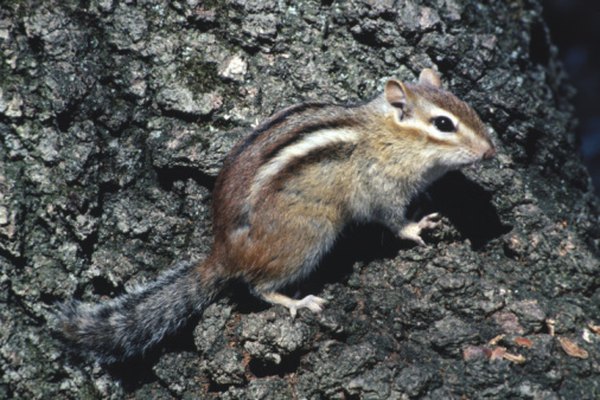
{"points": [[491, 152]]}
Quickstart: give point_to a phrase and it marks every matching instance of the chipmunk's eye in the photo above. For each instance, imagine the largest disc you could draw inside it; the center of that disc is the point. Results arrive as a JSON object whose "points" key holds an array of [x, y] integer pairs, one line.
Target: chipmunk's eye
{"points": [[443, 124]]}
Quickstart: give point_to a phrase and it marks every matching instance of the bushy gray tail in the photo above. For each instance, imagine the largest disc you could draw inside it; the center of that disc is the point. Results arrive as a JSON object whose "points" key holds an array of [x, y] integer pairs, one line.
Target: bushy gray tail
{"points": [[130, 324]]}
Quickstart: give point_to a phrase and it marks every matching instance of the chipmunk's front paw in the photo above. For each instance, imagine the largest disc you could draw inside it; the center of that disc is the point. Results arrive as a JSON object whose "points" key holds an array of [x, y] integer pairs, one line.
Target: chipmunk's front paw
{"points": [[412, 230]]}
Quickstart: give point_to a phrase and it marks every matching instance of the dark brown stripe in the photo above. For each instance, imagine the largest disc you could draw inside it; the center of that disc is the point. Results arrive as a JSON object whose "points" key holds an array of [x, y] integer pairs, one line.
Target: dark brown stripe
{"points": [[303, 131], [447, 101], [438, 141], [274, 121], [333, 152]]}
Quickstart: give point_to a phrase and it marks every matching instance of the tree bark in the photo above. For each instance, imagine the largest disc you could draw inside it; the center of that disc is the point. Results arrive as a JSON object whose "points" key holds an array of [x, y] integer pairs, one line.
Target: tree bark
{"points": [[115, 118]]}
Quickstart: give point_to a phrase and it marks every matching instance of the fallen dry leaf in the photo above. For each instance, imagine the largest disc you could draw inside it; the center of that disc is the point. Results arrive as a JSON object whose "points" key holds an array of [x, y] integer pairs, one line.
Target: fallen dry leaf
{"points": [[494, 341], [498, 353], [594, 328], [516, 358], [571, 348], [523, 342], [550, 323], [475, 352], [586, 335]]}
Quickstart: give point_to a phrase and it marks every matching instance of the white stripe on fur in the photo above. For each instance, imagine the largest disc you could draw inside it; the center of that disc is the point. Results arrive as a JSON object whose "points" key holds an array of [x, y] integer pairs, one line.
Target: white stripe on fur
{"points": [[314, 141]]}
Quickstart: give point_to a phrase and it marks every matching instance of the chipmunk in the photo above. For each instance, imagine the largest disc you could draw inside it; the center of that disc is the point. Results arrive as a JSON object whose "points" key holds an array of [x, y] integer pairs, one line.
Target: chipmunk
{"points": [[282, 197]]}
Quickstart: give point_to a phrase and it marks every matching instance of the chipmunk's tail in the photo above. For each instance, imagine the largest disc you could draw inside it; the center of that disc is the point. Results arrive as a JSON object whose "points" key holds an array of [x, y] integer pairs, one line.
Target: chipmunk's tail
{"points": [[131, 324]]}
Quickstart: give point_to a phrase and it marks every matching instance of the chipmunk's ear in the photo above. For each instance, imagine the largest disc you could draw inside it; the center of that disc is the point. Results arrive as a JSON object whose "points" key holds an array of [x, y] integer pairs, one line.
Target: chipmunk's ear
{"points": [[430, 77], [395, 94]]}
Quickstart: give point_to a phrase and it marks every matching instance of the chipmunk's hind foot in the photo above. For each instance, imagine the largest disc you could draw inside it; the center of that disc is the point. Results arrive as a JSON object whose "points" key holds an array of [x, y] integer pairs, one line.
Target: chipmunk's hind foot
{"points": [[313, 303]]}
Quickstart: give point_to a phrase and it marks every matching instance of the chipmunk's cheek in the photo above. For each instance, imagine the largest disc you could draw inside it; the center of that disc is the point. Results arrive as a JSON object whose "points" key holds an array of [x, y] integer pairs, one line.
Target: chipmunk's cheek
{"points": [[457, 159], [468, 158], [469, 155]]}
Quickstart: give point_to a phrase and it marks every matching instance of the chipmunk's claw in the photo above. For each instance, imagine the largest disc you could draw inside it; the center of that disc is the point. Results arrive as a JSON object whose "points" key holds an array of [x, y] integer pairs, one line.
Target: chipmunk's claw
{"points": [[313, 303], [412, 230]]}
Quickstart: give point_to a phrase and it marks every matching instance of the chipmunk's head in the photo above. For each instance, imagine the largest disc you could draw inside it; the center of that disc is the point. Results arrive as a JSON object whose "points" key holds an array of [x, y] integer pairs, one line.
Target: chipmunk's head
{"points": [[445, 129]]}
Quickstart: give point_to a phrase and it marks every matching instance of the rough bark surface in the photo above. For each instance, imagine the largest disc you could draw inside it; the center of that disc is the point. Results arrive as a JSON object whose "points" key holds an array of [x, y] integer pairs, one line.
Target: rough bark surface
{"points": [[115, 117]]}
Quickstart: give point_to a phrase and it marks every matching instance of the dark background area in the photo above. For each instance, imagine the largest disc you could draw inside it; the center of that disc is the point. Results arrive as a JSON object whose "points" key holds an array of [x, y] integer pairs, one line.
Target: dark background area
{"points": [[575, 29]]}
